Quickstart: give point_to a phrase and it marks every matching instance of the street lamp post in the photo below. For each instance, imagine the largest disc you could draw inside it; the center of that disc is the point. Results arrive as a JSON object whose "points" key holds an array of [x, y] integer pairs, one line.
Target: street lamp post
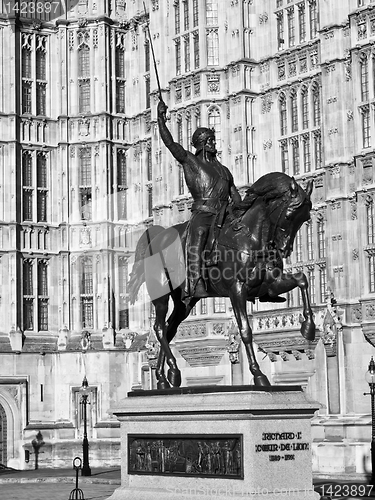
{"points": [[370, 379], [86, 471]]}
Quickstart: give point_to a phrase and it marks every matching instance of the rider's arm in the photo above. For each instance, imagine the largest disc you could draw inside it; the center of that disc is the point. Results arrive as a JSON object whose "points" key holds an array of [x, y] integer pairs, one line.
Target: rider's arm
{"points": [[176, 149]]}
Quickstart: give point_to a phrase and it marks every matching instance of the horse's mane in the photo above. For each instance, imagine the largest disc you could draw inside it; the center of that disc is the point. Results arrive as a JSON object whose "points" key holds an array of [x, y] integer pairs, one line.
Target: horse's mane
{"points": [[271, 187]]}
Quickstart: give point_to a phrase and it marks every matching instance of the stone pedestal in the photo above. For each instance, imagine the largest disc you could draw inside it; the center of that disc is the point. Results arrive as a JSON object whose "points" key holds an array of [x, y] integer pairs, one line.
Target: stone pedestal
{"points": [[222, 442]]}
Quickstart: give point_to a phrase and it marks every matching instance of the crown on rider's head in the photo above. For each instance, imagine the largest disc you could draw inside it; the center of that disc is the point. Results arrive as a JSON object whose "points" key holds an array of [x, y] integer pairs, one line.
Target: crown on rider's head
{"points": [[201, 135]]}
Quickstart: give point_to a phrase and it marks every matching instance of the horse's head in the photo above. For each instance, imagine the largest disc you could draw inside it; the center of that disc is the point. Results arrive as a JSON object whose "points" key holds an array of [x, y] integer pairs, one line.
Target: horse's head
{"points": [[287, 207], [292, 211]]}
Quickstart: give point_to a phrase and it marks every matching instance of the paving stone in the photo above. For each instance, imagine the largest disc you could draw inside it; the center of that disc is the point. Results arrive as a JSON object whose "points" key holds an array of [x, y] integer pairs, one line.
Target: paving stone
{"points": [[53, 491]]}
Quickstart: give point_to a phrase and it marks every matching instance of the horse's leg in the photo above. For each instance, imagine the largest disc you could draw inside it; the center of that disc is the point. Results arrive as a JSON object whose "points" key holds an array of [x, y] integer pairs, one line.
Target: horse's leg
{"points": [[287, 282], [238, 298], [160, 328], [179, 313], [162, 382]]}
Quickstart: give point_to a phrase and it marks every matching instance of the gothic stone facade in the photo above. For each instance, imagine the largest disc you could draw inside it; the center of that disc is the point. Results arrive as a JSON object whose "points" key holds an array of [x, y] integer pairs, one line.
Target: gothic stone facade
{"points": [[288, 85]]}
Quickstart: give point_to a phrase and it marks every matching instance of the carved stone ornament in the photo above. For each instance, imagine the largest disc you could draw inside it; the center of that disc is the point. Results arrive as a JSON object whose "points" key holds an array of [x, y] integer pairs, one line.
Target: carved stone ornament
{"points": [[152, 353], [108, 337], [62, 340], [84, 127], [329, 340], [120, 7], [356, 314], [332, 325], [266, 103], [85, 340], [83, 7], [369, 335], [218, 329], [233, 349], [192, 330], [367, 172], [353, 208], [128, 338], [85, 237]]}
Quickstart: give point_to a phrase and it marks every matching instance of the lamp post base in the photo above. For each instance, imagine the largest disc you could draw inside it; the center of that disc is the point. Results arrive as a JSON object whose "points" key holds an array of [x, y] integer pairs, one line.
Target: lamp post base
{"points": [[86, 471]]}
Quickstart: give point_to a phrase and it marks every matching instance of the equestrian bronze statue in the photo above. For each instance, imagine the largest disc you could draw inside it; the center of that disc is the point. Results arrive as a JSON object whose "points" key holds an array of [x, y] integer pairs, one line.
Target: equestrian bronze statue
{"points": [[211, 185], [230, 248]]}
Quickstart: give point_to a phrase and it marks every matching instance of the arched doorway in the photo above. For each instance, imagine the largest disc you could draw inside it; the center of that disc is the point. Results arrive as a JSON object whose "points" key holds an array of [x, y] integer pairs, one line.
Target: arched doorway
{"points": [[3, 437]]}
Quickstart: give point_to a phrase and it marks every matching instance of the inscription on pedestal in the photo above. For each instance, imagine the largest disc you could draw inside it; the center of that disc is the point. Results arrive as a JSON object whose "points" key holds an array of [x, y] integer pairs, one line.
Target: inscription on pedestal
{"points": [[281, 445], [188, 455]]}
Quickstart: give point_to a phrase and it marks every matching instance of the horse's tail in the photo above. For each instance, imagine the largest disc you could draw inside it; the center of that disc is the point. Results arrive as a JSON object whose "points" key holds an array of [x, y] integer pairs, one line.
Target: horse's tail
{"points": [[137, 275]]}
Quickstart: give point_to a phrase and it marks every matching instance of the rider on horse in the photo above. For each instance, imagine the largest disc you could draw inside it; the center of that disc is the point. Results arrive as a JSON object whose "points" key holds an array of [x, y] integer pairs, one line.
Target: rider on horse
{"points": [[210, 184]]}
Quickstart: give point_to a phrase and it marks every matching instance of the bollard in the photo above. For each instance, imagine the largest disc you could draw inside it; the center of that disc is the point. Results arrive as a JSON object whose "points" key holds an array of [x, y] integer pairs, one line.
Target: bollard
{"points": [[77, 493]]}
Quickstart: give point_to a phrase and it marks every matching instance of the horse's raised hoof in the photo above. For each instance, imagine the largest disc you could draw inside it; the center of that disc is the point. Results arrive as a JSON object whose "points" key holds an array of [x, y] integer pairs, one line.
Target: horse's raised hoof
{"points": [[163, 384], [308, 329], [174, 377], [261, 380]]}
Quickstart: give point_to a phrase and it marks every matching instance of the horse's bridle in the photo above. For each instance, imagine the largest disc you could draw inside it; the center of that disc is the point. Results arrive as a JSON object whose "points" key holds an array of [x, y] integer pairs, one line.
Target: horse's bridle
{"points": [[276, 223]]}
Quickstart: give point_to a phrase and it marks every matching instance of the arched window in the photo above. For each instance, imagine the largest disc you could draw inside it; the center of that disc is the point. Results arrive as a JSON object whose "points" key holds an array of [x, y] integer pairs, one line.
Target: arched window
{"points": [[316, 105], [87, 303], [180, 140], [84, 62], [311, 278], [212, 47], [363, 65], [85, 180], [310, 241], [84, 79], [280, 30], [294, 110], [26, 62], [370, 222], [283, 118], [3, 436], [306, 152], [313, 19], [321, 239], [284, 156], [295, 156], [211, 12], [214, 121], [122, 184], [291, 27], [180, 133], [323, 284], [305, 107], [188, 131], [42, 192], [366, 127], [298, 247], [27, 185]]}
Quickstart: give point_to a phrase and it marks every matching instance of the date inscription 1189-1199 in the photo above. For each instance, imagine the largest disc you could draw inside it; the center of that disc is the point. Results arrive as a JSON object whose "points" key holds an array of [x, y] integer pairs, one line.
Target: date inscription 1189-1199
{"points": [[191, 455]]}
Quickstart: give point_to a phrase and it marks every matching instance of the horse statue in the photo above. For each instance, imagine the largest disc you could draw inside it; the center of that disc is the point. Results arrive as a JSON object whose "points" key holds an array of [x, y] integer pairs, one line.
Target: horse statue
{"points": [[248, 264]]}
